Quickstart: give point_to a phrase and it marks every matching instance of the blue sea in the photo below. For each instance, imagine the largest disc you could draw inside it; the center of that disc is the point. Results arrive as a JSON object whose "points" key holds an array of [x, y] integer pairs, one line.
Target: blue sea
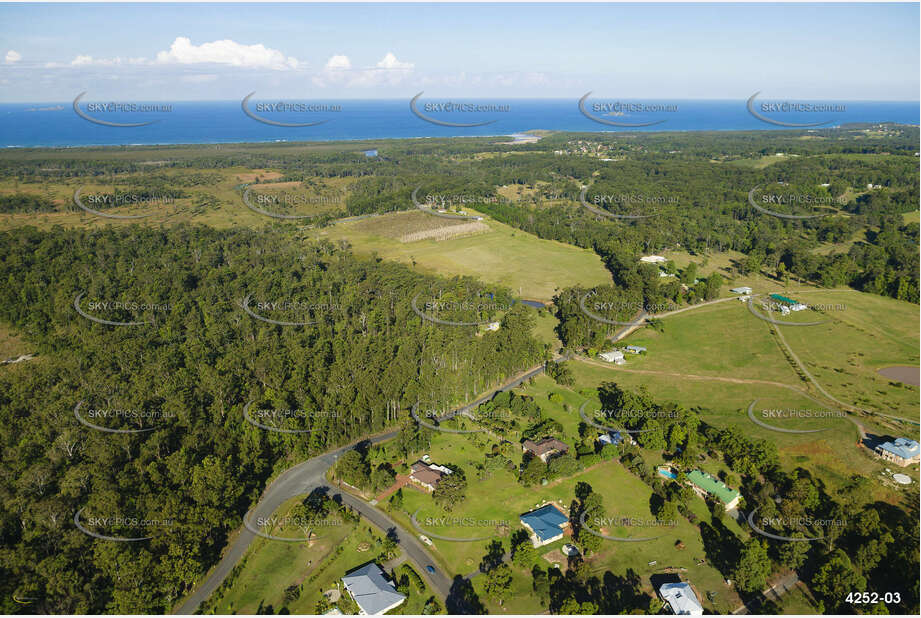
{"points": [[217, 122]]}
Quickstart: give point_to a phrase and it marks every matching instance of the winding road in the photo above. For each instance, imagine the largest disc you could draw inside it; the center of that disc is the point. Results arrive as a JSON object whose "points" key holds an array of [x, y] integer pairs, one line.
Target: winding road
{"points": [[311, 474]]}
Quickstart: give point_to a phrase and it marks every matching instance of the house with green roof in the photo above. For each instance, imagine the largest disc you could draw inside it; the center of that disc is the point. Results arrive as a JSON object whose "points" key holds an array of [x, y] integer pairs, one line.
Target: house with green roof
{"points": [[707, 484]]}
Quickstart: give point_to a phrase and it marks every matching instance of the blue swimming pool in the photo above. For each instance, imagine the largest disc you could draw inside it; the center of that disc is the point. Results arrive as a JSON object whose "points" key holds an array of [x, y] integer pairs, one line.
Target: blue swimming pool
{"points": [[668, 474]]}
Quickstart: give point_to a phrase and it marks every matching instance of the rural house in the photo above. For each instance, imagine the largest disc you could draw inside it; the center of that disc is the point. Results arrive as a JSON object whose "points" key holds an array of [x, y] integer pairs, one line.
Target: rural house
{"points": [[901, 452], [544, 449], [371, 590], [545, 524]]}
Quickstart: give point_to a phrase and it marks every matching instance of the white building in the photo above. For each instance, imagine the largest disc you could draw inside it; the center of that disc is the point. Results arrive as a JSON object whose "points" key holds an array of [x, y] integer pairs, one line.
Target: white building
{"points": [[744, 289], [681, 598], [570, 550], [653, 259], [372, 592], [614, 356], [493, 326]]}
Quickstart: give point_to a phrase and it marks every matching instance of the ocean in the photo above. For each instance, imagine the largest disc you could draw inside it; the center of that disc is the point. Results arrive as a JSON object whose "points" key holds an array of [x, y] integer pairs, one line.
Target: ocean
{"points": [[216, 122]]}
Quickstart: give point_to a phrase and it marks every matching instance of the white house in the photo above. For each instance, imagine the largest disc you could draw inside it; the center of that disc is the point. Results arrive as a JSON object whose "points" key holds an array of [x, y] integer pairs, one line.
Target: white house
{"points": [[681, 598], [372, 592], [493, 326], [613, 356], [653, 259], [744, 289]]}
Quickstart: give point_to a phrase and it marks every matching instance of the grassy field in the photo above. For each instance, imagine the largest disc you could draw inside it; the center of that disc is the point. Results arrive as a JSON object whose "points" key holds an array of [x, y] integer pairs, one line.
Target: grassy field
{"points": [[832, 454], [798, 601], [724, 339], [11, 345], [270, 567], [531, 267], [864, 334], [210, 199], [624, 496]]}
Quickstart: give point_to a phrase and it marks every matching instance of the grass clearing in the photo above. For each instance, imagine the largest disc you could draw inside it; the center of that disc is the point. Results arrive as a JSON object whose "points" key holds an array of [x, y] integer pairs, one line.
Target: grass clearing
{"points": [[271, 567], [531, 267]]}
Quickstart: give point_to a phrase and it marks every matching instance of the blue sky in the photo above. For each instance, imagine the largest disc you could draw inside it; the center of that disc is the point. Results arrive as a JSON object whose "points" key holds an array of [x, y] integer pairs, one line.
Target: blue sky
{"points": [[660, 51]]}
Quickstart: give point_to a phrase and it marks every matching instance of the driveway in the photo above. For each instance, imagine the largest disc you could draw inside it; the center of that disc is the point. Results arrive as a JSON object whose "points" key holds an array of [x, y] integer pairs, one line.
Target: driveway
{"points": [[305, 477]]}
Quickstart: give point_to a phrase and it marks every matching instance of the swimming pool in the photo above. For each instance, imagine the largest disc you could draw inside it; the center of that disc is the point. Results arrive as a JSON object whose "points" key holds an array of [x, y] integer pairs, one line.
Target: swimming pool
{"points": [[668, 473]]}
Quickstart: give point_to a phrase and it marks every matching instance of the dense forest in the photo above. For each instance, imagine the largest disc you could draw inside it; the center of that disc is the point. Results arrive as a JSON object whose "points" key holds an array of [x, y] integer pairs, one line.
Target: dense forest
{"points": [[189, 369], [211, 332]]}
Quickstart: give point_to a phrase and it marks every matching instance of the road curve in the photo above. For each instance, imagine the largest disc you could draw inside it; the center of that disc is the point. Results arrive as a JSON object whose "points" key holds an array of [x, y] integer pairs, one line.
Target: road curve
{"points": [[295, 481], [311, 474]]}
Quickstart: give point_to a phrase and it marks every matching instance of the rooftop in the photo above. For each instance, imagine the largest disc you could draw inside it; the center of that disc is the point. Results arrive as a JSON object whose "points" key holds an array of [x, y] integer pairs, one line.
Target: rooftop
{"points": [[547, 445], [784, 299], [682, 599], [371, 590], [713, 486], [546, 522], [903, 447]]}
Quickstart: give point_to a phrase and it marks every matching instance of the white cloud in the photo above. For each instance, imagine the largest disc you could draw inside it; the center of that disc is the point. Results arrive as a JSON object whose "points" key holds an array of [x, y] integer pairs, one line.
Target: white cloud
{"points": [[338, 63], [228, 52], [12, 57], [390, 62], [338, 70], [198, 79], [83, 60]]}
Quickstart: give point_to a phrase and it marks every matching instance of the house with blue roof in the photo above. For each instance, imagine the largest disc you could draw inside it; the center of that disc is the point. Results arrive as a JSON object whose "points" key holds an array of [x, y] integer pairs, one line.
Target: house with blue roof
{"points": [[546, 524], [900, 451]]}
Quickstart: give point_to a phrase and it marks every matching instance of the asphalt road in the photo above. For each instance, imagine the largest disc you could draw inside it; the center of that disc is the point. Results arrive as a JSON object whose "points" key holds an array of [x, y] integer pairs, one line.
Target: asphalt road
{"points": [[295, 481], [311, 474]]}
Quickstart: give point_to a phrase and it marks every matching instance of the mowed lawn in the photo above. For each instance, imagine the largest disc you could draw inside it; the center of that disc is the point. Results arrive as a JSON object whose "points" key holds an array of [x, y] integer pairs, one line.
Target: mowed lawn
{"points": [[270, 567], [859, 334], [624, 495], [531, 267], [723, 340], [865, 333], [832, 454]]}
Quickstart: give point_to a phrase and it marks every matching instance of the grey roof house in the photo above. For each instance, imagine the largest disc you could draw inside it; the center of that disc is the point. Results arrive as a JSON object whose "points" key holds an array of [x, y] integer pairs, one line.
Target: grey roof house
{"points": [[371, 590]]}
